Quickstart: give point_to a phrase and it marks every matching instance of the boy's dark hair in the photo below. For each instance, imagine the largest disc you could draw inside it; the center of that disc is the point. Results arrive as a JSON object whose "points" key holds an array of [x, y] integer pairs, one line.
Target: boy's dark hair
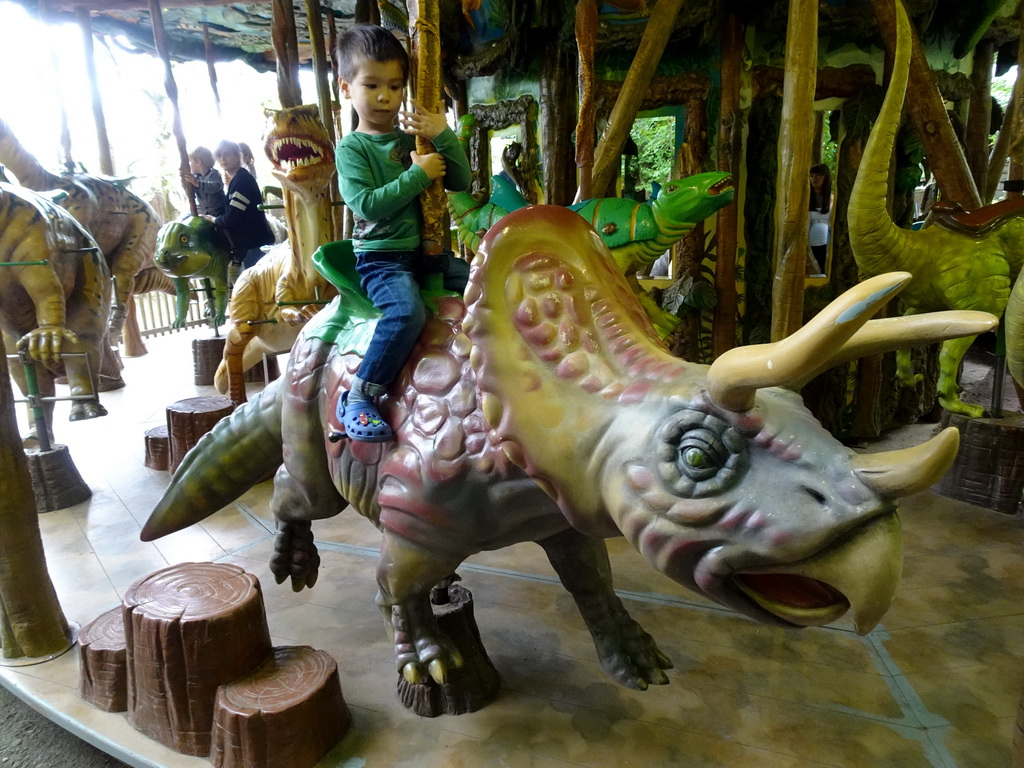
{"points": [[227, 148], [368, 42]]}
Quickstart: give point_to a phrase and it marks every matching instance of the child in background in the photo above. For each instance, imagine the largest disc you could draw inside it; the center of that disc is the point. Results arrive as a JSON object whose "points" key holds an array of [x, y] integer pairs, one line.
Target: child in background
{"points": [[243, 222], [210, 197], [381, 177]]}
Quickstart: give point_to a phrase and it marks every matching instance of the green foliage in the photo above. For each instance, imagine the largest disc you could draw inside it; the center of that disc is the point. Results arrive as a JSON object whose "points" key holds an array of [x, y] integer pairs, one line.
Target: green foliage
{"points": [[656, 139], [829, 146]]}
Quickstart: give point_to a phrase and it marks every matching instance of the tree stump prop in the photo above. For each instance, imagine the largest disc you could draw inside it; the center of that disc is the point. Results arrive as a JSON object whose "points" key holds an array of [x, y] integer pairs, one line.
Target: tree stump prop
{"points": [[288, 712], [103, 671], [471, 686], [189, 629], [256, 374], [158, 448], [190, 419], [56, 482], [989, 467], [206, 356]]}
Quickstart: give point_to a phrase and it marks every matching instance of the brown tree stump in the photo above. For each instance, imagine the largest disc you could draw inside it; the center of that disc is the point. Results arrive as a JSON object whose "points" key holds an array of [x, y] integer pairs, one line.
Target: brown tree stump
{"points": [[287, 714], [190, 419], [56, 482], [206, 356], [103, 668], [257, 374], [989, 467], [468, 688], [158, 447], [189, 629]]}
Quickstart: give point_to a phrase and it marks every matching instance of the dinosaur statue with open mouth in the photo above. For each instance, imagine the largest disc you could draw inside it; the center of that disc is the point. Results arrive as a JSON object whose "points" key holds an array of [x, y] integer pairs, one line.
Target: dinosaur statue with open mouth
{"points": [[545, 408]]}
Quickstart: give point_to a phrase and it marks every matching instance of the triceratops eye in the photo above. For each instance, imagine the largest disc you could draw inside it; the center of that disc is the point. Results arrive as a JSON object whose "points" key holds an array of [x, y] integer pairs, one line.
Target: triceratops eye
{"points": [[700, 454], [183, 239]]}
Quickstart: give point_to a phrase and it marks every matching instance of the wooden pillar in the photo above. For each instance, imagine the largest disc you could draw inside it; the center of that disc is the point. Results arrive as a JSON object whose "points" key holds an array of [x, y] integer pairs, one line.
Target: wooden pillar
{"points": [[211, 67], [557, 109], [102, 140], [945, 155], [793, 188], [160, 41], [286, 49], [322, 72], [730, 137], [1011, 134], [979, 118], [586, 37], [638, 79], [425, 41]]}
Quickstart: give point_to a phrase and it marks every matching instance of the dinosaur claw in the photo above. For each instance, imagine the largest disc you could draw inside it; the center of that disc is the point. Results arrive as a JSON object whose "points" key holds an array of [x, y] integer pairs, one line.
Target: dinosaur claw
{"points": [[437, 671], [412, 674]]}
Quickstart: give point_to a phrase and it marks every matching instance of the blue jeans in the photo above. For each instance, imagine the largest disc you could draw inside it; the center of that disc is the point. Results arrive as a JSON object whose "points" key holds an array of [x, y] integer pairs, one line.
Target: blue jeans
{"points": [[391, 281], [252, 255]]}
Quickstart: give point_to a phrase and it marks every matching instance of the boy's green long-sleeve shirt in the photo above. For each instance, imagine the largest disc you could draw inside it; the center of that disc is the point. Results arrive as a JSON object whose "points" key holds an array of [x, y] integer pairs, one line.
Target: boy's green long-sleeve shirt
{"points": [[381, 184]]}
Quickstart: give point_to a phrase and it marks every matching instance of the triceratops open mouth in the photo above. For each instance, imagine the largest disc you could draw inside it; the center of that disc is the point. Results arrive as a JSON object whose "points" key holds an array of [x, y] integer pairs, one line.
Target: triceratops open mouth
{"points": [[798, 599], [859, 573]]}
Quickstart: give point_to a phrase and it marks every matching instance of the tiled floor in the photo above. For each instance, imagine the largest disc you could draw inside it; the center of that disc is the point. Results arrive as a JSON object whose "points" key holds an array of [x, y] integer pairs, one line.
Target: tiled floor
{"points": [[937, 684]]}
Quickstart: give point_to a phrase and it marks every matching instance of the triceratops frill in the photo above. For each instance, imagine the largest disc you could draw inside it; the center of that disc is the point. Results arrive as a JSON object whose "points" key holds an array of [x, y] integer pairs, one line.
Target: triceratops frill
{"points": [[546, 409]]}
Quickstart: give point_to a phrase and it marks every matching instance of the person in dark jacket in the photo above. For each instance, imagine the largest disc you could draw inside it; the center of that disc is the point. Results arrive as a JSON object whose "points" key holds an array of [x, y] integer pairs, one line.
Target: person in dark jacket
{"points": [[210, 197], [243, 222]]}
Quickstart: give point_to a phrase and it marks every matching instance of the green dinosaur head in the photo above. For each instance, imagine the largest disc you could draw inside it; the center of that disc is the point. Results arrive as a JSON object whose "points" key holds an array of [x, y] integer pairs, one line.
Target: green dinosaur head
{"points": [[187, 247], [681, 203]]}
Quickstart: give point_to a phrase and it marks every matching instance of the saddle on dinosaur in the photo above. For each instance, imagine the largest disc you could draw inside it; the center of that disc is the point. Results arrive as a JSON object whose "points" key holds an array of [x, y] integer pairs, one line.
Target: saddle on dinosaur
{"points": [[545, 408]]}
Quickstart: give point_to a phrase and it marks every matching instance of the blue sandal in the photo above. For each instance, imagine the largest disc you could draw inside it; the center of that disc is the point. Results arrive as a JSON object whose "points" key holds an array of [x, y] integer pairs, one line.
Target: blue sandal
{"points": [[363, 422]]}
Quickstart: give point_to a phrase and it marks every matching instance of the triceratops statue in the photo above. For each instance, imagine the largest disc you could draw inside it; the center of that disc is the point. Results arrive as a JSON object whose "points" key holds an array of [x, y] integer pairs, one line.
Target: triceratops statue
{"points": [[546, 409]]}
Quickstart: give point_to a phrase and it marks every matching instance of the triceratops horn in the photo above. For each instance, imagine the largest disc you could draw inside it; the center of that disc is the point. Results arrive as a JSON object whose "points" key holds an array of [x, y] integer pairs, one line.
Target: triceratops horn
{"points": [[898, 473], [735, 377]]}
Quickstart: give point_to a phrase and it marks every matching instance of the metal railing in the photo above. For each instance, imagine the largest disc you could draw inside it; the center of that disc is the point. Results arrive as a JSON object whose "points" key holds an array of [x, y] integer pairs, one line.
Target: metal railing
{"points": [[155, 311]]}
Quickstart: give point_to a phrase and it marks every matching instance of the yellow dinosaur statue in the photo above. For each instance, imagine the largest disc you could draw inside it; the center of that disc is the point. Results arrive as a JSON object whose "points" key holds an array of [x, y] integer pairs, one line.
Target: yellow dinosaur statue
{"points": [[123, 224], [268, 304]]}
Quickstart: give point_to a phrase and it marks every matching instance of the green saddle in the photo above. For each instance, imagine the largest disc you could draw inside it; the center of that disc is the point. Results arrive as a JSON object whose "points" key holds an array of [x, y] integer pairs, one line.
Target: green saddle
{"points": [[351, 318]]}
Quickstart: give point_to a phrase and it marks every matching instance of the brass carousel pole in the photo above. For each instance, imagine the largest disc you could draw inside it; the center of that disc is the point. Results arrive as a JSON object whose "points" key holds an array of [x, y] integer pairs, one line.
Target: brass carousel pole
{"points": [[102, 140], [160, 41]]}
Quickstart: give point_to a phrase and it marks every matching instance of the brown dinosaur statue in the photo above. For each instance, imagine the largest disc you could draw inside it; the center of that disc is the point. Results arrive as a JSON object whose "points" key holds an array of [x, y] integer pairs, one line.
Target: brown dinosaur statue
{"points": [[54, 297], [267, 306], [546, 409], [123, 224]]}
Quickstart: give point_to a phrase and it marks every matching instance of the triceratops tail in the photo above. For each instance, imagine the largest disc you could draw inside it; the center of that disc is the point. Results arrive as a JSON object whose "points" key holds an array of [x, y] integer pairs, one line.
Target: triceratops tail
{"points": [[240, 451]]}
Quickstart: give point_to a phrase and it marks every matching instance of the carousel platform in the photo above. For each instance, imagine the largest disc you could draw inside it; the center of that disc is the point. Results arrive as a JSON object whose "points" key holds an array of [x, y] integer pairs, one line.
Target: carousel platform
{"points": [[937, 685]]}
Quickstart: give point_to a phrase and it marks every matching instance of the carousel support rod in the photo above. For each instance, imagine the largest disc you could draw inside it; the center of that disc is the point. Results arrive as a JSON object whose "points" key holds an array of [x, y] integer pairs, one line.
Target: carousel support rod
{"points": [[586, 38], [35, 401], [425, 41], [160, 41], [211, 68], [102, 140], [286, 49], [793, 189], [638, 80]]}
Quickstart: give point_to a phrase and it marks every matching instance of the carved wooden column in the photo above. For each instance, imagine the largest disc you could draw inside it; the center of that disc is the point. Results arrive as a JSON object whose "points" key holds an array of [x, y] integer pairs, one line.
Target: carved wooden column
{"points": [[979, 118], [794, 165], [586, 36], [557, 109], [648, 54], [102, 140], [286, 49], [730, 137]]}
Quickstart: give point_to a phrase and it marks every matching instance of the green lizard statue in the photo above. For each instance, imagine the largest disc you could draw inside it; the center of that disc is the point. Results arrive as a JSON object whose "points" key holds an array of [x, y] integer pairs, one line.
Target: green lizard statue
{"points": [[194, 247], [963, 268], [636, 233]]}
